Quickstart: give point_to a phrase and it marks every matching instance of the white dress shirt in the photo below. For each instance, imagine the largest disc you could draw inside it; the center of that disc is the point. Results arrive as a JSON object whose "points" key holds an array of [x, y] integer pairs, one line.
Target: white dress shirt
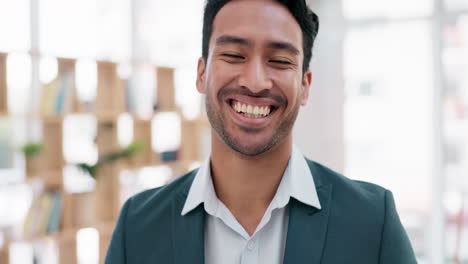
{"points": [[226, 241]]}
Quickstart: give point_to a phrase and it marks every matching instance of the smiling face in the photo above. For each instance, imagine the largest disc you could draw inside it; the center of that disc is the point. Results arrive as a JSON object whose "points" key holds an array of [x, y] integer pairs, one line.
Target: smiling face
{"points": [[253, 79]]}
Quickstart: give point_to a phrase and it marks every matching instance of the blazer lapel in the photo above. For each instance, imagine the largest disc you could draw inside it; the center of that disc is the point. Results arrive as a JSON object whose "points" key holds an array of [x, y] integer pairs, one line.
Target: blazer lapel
{"points": [[188, 233], [307, 229]]}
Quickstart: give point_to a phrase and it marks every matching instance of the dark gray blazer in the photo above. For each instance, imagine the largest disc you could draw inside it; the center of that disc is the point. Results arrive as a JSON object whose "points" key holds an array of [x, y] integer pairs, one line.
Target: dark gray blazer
{"points": [[358, 223]]}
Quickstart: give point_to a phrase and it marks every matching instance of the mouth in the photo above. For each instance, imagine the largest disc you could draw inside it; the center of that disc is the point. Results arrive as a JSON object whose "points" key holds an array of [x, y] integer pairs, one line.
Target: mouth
{"points": [[250, 110]]}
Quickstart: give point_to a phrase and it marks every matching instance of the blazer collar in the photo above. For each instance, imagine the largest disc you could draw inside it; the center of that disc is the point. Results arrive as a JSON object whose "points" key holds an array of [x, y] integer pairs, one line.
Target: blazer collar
{"points": [[188, 230], [297, 182], [307, 227]]}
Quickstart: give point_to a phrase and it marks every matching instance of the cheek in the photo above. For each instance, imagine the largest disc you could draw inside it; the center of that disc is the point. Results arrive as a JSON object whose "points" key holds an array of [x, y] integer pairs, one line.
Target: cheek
{"points": [[220, 76], [212, 88], [291, 87]]}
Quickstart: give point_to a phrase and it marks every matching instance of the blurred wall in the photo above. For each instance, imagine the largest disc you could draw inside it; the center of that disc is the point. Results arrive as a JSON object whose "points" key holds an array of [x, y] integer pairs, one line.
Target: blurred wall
{"points": [[319, 128]]}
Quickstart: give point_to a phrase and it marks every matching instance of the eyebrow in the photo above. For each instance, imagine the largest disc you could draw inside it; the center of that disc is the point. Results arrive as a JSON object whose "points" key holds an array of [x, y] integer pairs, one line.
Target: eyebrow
{"points": [[277, 45], [226, 39]]}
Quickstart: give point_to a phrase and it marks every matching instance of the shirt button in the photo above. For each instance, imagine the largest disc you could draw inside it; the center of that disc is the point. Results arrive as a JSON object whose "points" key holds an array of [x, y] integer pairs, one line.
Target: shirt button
{"points": [[251, 245]]}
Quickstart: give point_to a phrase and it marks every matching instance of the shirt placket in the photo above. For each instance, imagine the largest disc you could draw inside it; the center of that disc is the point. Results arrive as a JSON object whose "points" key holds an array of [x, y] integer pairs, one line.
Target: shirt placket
{"points": [[250, 252]]}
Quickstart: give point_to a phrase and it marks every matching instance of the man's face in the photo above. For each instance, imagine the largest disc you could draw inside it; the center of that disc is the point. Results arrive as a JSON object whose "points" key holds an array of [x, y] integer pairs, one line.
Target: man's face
{"points": [[253, 79]]}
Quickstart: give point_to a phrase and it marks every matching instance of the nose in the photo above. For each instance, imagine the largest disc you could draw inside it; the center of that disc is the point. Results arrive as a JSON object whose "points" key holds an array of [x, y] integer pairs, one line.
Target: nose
{"points": [[254, 76]]}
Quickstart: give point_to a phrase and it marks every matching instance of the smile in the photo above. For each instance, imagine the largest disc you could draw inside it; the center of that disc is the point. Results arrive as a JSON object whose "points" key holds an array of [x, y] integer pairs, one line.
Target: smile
{"points": [[252, 111], [251, 114]]}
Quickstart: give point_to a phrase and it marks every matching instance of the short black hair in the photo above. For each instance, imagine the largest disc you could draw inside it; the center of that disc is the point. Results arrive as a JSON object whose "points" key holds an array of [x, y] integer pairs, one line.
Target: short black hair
{"points": [[305, 17]]}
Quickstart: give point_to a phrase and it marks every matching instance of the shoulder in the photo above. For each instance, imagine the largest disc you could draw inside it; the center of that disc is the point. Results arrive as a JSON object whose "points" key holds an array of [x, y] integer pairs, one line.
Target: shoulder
{"points": [[356, 209], [157, 199], [349, 193], [149, 213], [364, 212]]}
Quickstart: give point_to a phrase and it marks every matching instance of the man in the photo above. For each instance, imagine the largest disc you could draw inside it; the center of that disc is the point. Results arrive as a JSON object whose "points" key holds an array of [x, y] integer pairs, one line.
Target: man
{"points": [[256, 199]]}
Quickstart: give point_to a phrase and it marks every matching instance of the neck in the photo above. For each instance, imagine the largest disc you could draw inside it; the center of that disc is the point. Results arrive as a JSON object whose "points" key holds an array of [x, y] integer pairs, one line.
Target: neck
{"points": [[246, 185]]}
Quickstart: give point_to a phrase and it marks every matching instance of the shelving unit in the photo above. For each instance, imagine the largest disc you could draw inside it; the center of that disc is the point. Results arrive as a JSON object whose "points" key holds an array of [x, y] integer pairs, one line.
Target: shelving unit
{"points": [[67, 66], [99, 209], [165, 89], [4, 253], [142, 133], [110, 100]]}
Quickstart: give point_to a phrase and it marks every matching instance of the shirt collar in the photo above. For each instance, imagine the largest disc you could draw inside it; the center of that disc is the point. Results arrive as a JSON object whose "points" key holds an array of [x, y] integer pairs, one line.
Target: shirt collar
{"points": [[297, 182]]}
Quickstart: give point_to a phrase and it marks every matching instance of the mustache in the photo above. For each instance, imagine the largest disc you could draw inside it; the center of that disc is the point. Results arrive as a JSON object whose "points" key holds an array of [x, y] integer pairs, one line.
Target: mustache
{"points": [[227, 91]]}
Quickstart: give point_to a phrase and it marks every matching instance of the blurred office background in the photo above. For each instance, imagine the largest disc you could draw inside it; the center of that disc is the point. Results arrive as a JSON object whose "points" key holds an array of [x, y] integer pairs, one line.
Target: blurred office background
{"points": [[389, 105]]}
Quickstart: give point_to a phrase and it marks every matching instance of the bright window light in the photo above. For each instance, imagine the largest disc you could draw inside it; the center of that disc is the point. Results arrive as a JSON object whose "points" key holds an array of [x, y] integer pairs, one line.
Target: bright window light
{"points": [[19, 82], [387, 111], [113, 23], [15, 201], [359, 9], [76, 180], [125, 129], [455, 55], [129, 184], [142, 95], [187, 94], [182, 43], [48, 69], [86, 80], [79, 132], [456, 4], [181, 47], [47, 251], [87, 246], [124, 70], [21, 253], [68, 28], [152, 177], [14, 38], [166, 131]]}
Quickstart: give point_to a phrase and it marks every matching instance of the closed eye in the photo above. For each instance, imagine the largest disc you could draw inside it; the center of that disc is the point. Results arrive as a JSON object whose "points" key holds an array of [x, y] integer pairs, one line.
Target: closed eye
{"points": [[232, 56], [281, 62]]}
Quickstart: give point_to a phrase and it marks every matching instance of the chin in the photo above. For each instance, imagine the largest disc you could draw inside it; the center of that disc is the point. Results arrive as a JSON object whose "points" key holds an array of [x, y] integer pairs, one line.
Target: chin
{"points": [[250, 149]]}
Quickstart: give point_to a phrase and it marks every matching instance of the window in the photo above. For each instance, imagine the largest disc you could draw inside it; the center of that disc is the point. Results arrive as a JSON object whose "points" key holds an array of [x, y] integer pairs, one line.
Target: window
{"points": [[14, 38], [68, 28], [359, 9], [455, 112], [454, 5], [87, 28], [388, 67], [181, 47]]}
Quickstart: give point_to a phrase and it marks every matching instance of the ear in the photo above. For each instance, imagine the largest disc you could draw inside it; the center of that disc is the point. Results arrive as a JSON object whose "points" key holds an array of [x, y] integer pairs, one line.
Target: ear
{"points": [[201, 75], [306, 81]]}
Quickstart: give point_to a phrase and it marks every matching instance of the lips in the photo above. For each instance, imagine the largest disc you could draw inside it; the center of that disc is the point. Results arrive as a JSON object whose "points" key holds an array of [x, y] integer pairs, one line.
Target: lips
{"points": [[251, 111], [254, 101]]}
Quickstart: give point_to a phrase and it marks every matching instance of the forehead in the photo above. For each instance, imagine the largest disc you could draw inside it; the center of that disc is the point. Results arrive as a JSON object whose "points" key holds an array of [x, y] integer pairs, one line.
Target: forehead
{"points": [[257, 20]]}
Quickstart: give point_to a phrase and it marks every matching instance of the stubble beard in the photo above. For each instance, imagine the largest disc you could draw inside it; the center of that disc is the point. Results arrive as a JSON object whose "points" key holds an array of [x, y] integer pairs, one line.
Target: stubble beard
{"points": [[281, 132]]}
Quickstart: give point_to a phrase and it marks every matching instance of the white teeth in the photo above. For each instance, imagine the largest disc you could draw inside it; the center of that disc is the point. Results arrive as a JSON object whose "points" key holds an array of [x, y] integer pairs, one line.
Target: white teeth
{"points": [[255, 110], [238, 107], [251, 111]]}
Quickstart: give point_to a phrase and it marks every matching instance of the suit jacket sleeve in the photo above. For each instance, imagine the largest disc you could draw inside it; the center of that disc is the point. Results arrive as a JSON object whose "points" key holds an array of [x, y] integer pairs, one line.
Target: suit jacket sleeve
{"points": [[116, 252], [395, 246]]}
